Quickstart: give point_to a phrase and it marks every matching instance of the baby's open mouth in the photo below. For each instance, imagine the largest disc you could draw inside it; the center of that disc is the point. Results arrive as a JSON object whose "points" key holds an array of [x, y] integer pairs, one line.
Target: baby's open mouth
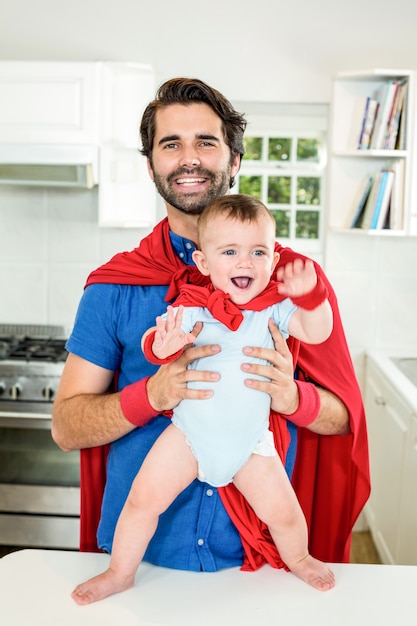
{"points": [[242, 282]]}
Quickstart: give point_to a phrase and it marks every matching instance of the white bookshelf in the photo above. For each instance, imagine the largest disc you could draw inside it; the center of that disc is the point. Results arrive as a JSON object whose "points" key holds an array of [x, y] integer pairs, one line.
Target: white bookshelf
{"points": [[349, 166]]}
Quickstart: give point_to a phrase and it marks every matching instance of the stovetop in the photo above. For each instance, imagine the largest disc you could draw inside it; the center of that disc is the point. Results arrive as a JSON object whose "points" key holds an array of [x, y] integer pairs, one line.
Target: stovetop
{"points": [[32, 343], [31, 362]]}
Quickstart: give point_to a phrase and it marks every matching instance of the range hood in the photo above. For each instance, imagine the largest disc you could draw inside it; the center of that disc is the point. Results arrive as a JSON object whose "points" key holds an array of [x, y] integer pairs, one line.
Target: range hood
{"points": [[49, 165]]}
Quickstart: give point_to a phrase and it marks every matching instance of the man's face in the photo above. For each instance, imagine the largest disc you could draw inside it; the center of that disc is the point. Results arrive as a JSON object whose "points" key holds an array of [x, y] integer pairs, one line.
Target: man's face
{"points": [[190, 159]]}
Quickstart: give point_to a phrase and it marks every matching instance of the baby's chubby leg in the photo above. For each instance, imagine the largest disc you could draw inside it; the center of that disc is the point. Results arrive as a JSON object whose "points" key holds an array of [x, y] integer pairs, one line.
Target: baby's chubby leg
{"points": [[265, 484], [167, 470]]}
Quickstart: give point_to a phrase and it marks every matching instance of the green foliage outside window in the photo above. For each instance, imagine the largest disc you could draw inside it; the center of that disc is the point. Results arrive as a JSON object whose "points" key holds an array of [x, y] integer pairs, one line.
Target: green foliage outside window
{"points": [[251, 186], [279, 189], [308, 150], [279, 149], [307, 225], [308, 190], [253, 148], [282, 223]]}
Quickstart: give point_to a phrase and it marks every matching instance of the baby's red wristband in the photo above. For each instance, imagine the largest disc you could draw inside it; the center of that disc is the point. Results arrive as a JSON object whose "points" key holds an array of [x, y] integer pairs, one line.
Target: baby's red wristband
{"points": [[314, 298], [308, 405], [135, 404], [147, 351]]}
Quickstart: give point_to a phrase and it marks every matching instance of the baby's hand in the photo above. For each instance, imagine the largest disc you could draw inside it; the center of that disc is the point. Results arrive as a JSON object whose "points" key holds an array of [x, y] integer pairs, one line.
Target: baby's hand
{"points": [[296, 278], [169, 338]]}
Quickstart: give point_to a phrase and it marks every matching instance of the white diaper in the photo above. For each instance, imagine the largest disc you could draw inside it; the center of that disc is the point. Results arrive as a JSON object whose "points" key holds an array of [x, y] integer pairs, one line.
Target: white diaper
{"points": [[265, 446]]}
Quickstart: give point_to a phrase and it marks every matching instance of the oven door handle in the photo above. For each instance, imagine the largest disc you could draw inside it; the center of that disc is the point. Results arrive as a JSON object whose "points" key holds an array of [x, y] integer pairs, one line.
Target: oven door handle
{"points": [[21, 419]]}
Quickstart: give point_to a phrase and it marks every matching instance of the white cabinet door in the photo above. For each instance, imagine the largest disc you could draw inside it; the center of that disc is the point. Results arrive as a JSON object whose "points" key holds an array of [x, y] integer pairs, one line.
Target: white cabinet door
{"points": [[408, 525], [387, 416], [48, 102]]}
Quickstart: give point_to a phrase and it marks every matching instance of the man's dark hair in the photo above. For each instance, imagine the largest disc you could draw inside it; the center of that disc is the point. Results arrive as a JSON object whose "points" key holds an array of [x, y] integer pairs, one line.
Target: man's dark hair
{"points": [[186, 91]]}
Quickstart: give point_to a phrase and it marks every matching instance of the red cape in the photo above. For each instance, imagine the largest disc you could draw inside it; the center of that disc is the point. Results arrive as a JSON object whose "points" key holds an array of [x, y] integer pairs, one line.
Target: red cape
{"points": [[331, 473]]}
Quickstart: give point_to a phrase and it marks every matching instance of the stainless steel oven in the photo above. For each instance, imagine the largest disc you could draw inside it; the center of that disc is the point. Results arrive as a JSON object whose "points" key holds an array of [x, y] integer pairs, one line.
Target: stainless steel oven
{"points": [[39, 484]]}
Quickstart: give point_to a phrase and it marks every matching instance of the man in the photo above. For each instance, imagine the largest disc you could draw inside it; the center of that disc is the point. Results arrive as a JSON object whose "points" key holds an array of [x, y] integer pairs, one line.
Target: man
{"points": [[192, 138]]}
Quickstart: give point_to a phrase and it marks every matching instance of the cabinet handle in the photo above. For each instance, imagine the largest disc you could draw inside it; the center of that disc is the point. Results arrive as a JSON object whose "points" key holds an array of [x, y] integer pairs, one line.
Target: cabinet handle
{"points": [[380, 400]]}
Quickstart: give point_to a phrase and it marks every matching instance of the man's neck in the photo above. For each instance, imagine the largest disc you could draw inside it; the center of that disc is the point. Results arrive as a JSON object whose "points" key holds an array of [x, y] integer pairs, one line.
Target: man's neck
{"points": [[182, 224]]}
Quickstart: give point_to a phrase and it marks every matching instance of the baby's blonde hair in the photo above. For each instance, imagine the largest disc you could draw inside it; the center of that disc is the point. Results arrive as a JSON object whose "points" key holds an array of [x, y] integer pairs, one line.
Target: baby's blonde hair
{"points": [[236, 206]]}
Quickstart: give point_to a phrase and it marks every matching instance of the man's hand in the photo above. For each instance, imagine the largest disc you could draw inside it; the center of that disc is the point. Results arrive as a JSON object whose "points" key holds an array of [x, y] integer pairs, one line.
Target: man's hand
{"points": [[281, 386], [333, 418], [168, 386]]}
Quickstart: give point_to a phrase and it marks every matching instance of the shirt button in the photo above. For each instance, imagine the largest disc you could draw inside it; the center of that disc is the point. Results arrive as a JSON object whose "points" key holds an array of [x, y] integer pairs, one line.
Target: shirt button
{"points": [[181, 254], [188, 245], [200, 542], [209, 492]]}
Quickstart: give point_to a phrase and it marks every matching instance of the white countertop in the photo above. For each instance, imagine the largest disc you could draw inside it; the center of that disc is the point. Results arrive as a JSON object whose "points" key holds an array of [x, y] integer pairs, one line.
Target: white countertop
{"points": [[395, 375], [35, 588]]}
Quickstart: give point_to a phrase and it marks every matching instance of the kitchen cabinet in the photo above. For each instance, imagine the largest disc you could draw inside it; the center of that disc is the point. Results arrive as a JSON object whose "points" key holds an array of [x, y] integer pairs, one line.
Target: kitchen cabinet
{"points": [[408, 526], [391, 511], [48, 102], [83, 113], [127, 196], [350, 167]]}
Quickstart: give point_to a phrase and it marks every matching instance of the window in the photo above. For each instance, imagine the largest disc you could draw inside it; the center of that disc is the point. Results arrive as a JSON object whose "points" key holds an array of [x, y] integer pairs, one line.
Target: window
{"points": [[285, 166]]}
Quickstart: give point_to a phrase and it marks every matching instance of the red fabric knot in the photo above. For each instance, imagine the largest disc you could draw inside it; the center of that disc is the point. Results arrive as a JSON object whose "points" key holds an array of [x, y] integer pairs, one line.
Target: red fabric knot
{"points": [[223, 309]]}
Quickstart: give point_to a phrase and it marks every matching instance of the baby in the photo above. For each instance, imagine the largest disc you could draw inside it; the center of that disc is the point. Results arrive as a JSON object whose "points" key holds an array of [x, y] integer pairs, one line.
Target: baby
{"points": [[225, 438]]}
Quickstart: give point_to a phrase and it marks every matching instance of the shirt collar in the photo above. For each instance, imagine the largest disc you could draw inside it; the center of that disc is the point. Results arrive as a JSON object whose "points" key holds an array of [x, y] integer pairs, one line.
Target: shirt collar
{"points": [[183, 248]]}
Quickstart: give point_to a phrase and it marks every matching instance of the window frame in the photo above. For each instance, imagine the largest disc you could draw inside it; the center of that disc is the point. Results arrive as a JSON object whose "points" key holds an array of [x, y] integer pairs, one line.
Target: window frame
{"points": [[293, 121]]}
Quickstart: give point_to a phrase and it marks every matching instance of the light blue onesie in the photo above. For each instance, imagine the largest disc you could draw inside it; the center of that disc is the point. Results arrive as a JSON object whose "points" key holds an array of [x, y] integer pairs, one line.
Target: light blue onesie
{"points": [[224, 430]]}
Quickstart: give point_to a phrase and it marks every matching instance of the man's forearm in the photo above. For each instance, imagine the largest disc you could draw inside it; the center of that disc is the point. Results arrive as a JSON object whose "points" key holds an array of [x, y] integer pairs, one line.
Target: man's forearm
{"points": [[333, 418], [88, 420]]}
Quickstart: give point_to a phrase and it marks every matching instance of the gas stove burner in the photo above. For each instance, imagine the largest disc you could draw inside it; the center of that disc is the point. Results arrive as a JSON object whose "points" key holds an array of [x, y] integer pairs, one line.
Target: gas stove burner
{"points": [[4, 349], [32, 343], [37, 349]]}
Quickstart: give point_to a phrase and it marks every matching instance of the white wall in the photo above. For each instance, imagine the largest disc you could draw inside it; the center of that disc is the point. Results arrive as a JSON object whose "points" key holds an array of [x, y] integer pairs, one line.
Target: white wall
{"points": [[262, 50], [275, 51]]}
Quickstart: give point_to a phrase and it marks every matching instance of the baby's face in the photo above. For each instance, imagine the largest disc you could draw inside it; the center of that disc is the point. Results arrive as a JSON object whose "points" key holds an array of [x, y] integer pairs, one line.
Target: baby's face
{"points": [[238, 256]]}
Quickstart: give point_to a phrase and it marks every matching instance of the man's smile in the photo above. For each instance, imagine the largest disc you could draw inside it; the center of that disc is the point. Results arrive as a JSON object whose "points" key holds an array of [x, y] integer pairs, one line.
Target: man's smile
{"points": [[189, 182]]}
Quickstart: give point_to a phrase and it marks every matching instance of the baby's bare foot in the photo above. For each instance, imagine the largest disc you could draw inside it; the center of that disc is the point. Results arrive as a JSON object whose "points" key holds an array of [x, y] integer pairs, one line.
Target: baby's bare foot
{"points": [[315, 573], [101, 586]]}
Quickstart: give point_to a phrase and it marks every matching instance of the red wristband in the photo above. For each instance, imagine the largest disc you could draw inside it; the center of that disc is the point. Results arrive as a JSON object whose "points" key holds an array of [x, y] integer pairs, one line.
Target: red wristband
{"points": [[308, 404], [135, 404], [148, 352], [314, 298]]}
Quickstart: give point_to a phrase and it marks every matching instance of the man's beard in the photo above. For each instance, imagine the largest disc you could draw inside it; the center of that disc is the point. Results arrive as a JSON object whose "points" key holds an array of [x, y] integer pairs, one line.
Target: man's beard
{"points": [[192, 203]]}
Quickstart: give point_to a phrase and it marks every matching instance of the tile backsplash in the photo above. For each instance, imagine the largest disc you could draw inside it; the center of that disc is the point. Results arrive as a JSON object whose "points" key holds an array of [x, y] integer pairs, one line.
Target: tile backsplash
{"points": [[49, 243], [376, 283]]}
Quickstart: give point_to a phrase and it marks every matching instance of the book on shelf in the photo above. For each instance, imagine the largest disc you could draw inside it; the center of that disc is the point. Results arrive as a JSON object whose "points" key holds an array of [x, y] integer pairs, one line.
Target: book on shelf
{"points": [[395, 118], [371, 202], [368, 123], [358, 121], [385, 95], [380, 204], [401, 138], [397, 195], [379, 120], [357, 218], [383, 200]]}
